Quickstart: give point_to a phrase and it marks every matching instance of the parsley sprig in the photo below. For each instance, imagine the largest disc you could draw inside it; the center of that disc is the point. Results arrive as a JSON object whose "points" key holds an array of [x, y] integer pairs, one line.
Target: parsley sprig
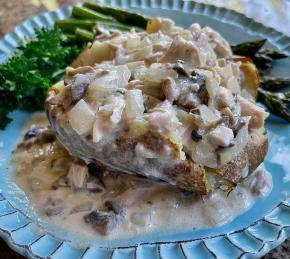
{"points": [[32, 69]]}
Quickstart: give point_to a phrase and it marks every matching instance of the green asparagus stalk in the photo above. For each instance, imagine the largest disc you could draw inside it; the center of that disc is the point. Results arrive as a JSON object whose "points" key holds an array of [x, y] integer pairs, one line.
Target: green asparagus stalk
{"points": [[274, 83], [263, 62], [83, 35], [263, 58], [278, 103], [121, 15], [88, 14], [115, 26], [274, 54], [70, 25], [70, 37], [248, 48]]}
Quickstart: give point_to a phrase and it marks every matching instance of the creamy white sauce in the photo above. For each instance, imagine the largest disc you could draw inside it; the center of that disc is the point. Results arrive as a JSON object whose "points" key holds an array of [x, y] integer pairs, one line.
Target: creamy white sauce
{"points": [[151, 208]]}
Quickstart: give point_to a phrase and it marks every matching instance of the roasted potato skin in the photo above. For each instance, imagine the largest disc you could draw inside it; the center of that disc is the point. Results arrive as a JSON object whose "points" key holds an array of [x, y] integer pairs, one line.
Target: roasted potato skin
{"points": [[232, 171], [251, 79], [191, 176], [256, 149], [253, 155], [187, 174]]}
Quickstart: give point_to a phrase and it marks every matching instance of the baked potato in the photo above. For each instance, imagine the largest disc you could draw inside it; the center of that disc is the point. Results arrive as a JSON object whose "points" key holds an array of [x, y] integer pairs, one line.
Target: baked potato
{"points": [[196, 125]]}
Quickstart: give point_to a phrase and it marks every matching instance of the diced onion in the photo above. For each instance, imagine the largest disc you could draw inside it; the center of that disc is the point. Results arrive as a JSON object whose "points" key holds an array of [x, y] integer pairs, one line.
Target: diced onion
{"points": [[240, 141], [207, 115], [212, 88], [133, 66], [101, 127], [134, 104], [132, 42], [81, 118], [140, 72], [158, 72], [101, 51], [233, 85], [204, 153], [117, 77]]}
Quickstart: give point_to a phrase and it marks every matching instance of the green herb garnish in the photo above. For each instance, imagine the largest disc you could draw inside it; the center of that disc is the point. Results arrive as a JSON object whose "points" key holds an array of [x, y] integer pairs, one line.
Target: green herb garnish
{"points": [[32, 69]]}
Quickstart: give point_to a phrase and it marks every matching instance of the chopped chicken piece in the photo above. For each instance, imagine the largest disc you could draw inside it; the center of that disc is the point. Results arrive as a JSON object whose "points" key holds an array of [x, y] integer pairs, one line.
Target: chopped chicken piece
{"points": [[163, 117], [226, 98], [170, 90], [250, 109], [70, 71], [261, 184], [187, 51], [221, 136], [220, 45], [195, 30]]}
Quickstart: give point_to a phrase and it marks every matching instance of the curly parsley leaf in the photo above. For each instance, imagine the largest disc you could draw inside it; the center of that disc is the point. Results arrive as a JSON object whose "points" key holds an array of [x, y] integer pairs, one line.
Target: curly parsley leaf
{"points": [[32, 69]]}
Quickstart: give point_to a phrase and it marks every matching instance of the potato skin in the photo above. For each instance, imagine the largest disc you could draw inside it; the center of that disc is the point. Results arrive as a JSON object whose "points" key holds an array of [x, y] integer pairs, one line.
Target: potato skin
{"points": [[256, 149], [192, 177], [251, 78], [253, 154], [187, 174]]}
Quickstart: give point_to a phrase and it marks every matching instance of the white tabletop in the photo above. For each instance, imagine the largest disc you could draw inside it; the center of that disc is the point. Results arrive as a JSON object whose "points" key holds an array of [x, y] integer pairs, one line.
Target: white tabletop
{"points": [[272, 13]]}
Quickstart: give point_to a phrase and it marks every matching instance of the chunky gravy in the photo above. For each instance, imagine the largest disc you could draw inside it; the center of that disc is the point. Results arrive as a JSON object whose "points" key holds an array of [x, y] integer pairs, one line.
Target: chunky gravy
{"points": [[92, 201]]}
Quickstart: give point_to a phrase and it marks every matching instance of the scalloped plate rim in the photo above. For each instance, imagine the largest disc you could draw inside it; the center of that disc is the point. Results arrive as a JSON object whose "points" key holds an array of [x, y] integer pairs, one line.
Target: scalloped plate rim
{"points": [[199, 8]]}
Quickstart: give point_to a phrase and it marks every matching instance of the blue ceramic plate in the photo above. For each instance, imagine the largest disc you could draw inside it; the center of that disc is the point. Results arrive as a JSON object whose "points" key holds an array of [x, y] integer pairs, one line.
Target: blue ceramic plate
{"points": [[250, 235]]}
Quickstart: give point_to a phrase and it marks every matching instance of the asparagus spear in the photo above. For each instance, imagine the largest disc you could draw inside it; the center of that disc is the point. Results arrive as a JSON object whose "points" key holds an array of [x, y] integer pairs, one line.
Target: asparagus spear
{"points": [[248, 48], [83, 35], [121, 15], [278, 103], [263, 58], [274, 54], [112, 26], [70, 37], [83, 29], [274, 83], [70, 25], [88, 14], [263, 62]]}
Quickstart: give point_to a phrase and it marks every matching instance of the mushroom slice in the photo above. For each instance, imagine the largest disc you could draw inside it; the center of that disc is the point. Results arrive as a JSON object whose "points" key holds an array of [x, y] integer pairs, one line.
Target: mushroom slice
{"points": [[54, 207], [104, 221]]}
